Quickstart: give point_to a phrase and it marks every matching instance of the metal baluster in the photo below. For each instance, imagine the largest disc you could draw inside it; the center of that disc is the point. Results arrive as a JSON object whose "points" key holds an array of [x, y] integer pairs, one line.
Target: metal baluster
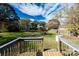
{"points": [[16, 48], [36, 46], [27, 48], [62, 47], [42, 46], [10, 51], [24, 47], [13, 50], [33, 47], [2, 52], [66, 50], [30, 48], [19, 47], [7, 51], [33, 50]]}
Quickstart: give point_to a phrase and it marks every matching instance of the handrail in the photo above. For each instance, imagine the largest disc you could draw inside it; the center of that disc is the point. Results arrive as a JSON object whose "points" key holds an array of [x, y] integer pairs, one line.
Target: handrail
{"points": [[32, 38], [9, 43], [70, 44], [24, 38], [11, 47]]}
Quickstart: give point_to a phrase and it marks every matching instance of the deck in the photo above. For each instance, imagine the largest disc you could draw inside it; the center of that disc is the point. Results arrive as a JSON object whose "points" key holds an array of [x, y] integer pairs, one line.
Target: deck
{"points": [[46, 53]]}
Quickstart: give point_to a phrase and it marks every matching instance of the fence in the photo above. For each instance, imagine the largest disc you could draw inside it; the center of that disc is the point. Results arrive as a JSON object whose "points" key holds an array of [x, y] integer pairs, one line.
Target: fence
{"points": [[67, 48], [28, 45]]}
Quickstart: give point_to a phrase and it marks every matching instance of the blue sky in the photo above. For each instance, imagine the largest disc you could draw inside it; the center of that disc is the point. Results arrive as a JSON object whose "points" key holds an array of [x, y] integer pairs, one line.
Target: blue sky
{"points": [[36, 11]]}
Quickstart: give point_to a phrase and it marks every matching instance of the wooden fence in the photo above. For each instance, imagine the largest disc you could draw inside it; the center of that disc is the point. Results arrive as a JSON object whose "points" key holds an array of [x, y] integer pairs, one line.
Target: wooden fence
{"points": [[68, 48], [30, 45]]}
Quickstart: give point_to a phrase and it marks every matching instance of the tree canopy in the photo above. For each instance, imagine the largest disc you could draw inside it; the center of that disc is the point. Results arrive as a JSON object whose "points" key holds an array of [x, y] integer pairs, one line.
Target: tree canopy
{"points": [[8, 17]]}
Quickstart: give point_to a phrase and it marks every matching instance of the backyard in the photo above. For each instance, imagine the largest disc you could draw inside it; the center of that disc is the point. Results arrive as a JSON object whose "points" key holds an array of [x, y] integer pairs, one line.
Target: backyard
{"points": [[49, 39], [22, 32]]}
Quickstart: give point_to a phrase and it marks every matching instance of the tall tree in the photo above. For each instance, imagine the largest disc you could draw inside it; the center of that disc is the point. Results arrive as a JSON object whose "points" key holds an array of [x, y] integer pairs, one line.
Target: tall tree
{"points": [[53, 24], [42, 23], [34, 25], [8, 16], [25, 24]]}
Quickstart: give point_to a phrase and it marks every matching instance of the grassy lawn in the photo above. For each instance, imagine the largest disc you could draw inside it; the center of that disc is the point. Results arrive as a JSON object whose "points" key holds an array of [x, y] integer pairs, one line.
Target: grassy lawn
{"points": [[74, 40], [8, 36], [49, 40]]}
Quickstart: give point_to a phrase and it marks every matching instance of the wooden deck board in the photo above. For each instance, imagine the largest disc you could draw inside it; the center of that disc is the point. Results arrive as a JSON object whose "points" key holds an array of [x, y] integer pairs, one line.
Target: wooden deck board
{"points": [[46, 53], [52, 53]]}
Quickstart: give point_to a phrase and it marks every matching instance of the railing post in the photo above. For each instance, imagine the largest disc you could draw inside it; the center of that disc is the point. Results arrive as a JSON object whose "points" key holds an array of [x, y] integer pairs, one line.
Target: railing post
{"points": [[59, 47], [0, 52], [18, 47]]}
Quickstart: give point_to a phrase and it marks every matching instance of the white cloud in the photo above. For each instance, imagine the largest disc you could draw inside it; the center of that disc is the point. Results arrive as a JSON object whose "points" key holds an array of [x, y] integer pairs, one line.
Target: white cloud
{"points": [[34, 10], [32, 19], [51, 9], [30, 9], [47, 7]]}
